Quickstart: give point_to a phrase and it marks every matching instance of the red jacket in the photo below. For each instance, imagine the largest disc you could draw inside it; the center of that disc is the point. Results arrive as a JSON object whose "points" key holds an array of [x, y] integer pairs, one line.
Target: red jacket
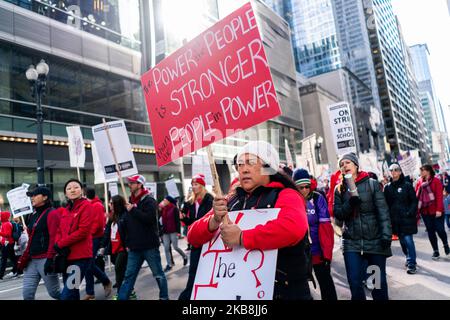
{"points": [[98, 218], [438, 203], [6, 229], [75, 230], [287, 230]]}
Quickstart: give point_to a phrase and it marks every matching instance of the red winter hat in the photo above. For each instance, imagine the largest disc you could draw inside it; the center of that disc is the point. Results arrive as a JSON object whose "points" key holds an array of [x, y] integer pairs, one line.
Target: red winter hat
{"points": [[199, 178]]}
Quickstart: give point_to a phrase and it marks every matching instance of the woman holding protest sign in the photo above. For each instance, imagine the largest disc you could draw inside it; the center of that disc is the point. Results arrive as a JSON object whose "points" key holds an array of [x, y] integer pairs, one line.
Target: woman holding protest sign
{"points": [[367, 233], [262, 186], [74, 240], [196, 207]]}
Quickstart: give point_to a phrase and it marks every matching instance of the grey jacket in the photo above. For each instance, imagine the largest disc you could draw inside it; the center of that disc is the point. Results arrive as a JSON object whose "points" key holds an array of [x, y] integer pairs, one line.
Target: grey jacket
{"points": [[367, 227]]}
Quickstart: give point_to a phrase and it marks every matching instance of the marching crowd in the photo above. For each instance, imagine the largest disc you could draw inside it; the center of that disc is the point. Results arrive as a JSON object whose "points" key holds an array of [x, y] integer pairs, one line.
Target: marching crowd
{"points": [[364, 212]]}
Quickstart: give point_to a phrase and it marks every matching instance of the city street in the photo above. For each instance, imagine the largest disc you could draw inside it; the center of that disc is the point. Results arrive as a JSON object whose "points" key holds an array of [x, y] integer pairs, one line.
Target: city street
{"points": [[432, 281]]}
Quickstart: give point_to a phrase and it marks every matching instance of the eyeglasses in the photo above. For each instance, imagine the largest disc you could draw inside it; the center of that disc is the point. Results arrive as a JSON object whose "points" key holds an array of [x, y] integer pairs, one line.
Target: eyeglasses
{"points": [[250, 162], [393, 170], [304, 187]]}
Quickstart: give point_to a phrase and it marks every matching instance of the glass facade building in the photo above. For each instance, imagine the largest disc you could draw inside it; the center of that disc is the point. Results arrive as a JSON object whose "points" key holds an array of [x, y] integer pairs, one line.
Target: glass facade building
{"points": [[94, 55]]}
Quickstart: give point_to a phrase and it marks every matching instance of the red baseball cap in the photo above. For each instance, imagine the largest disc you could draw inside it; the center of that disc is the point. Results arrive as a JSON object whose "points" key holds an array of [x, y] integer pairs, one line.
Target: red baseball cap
{"points": [[137, 178]]}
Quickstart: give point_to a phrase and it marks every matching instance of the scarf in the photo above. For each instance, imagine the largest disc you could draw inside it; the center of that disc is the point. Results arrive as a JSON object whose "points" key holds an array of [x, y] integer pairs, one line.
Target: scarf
{"points": [[135, 199], [426, 195]]}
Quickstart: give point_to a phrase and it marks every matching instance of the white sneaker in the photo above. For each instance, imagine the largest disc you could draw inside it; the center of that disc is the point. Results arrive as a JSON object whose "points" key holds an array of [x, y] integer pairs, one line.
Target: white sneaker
{"points": [[9, 275]]}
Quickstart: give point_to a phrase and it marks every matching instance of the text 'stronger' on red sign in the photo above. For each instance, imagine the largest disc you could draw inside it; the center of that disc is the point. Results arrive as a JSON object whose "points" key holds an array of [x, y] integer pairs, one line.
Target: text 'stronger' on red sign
{"points": [[216, 85]]}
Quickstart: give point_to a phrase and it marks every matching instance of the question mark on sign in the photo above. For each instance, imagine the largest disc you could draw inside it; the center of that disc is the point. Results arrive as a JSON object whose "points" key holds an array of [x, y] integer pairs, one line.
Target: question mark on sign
{"points": [[258, 283]]}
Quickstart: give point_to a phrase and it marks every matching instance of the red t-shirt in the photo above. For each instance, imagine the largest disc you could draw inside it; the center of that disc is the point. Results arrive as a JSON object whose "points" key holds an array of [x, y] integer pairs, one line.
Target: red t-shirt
{"points": [[116, 243]]}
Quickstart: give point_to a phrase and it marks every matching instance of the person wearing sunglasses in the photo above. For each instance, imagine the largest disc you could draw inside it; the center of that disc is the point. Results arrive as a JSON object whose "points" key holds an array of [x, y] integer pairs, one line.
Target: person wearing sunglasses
{"points": [[321, 233], [401, 199]]}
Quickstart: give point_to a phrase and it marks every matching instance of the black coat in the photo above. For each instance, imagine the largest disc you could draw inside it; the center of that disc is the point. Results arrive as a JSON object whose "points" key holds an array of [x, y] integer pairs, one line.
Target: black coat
{"points": [[106, 240], [402, 201], [369, 225], [189, 210], [140, 225]]}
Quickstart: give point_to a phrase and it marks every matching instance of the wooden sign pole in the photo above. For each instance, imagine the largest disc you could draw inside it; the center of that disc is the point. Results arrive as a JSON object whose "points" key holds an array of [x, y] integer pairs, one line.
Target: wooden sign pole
{"points": [[216, 187]]}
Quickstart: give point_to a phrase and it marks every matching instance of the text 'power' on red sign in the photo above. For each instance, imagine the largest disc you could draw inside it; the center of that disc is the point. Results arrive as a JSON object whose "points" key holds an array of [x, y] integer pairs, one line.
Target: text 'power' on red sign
{"points": [[216, 85]]}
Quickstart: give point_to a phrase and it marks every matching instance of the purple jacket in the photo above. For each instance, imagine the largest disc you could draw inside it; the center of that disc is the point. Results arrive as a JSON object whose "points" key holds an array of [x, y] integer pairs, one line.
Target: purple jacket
{"points": [[316, 215]]}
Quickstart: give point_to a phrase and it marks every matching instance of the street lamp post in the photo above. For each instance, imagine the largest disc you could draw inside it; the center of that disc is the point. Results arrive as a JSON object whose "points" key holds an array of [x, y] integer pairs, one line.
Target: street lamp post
{"points": [[38, 80]]}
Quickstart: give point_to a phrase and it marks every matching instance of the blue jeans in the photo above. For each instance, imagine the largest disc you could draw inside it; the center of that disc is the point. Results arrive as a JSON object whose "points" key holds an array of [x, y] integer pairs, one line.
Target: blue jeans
{"points": [[409, 249], [134, 263], [71, 290], [447, 220], [93, 270], [355, 267]]}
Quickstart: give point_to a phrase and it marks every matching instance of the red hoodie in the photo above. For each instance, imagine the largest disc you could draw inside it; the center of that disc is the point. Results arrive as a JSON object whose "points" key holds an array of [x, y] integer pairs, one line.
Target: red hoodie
{"points": [[75, 230], [98, 218], [6, 229], [287, 230]]}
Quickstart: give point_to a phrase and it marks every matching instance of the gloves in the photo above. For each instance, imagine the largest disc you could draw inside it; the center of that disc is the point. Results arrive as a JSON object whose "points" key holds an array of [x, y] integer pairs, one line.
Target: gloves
{"points": [[101, 252], [61, 251], [385, 243], [49, 266], [354, 201]]}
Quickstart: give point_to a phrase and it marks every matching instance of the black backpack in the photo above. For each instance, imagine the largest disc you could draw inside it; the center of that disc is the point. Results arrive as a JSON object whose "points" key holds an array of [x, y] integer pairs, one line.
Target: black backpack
{"points": [[16, 231]]}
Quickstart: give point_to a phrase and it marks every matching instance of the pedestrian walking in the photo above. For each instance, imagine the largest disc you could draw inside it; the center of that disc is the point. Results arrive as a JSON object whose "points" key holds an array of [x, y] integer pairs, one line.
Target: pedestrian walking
{"points": [[321, 233], [402, 201], [37, 260], [74, 240], [199, 204], [367, 231], [170, 216], [141, 237], [98, 229], [429, 191], [7, 244]]}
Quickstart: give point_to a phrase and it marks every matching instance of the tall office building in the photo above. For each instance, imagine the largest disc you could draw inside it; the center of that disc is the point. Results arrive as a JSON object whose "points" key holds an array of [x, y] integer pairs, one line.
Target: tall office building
{"points": [[391, 75], [93, 51]]}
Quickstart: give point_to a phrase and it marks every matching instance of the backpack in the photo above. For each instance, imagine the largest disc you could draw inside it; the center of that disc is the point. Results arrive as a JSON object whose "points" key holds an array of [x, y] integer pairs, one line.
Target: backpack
{"points": [[16, 231]]}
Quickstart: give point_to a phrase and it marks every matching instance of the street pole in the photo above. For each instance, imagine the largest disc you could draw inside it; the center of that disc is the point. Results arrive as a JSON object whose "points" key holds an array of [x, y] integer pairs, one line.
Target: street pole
{"points": [[37, 78]]}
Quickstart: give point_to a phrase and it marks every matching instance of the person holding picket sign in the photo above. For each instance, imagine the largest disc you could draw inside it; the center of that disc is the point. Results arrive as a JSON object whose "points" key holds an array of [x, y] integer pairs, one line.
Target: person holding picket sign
{"points": [[321, 233], [37, 260], [199, 204], [262, 186], [74, 240]]}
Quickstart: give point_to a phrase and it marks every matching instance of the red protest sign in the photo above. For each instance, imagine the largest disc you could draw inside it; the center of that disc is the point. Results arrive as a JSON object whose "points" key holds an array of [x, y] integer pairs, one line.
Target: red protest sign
{"points": [[216, 85]]}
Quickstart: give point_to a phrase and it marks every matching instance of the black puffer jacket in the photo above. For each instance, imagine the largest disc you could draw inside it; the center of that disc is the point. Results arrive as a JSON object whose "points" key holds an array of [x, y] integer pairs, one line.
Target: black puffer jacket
{"points": [[402, 202], [367, 228], [189, 209]]}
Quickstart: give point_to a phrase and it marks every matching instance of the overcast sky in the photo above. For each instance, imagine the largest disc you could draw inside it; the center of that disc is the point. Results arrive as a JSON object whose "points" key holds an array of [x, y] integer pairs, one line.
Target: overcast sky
{"points": [[428, 21]]}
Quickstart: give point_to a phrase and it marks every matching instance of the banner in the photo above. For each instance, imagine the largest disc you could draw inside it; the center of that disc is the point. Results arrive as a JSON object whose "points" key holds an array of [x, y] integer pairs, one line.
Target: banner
{"points": [[237, 273], [19, 202], [342, 128], [172, 188], [76, 147], [99, 174], [152, 187], [219, 83], [200, 164], [122, 148]]}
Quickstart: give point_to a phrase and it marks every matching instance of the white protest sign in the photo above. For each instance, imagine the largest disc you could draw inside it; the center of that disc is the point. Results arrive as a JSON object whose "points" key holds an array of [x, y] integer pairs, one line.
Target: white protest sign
{"points": [[152, 188], [237, 273], [99, 174], [368, 162], [408, 165], [76, 147], [200, 164], [19, 202], [172, 189], [122, 147], [113, 189], [342, 128]]}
